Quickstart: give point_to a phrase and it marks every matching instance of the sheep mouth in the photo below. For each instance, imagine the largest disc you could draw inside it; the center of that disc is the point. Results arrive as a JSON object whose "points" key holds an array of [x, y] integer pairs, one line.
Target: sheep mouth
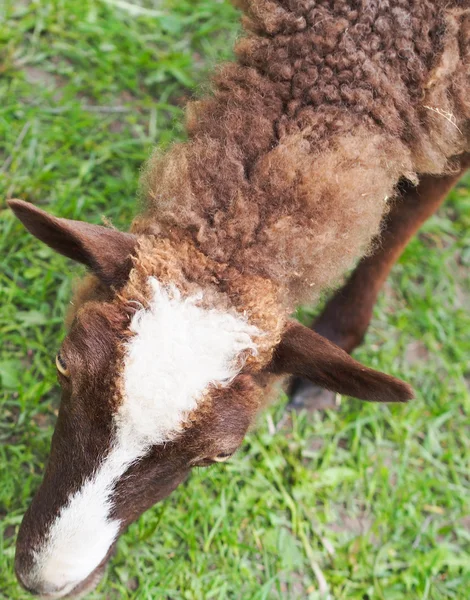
{"points": [[83, 588], [88, 584], [78, 591], [91, 582]]}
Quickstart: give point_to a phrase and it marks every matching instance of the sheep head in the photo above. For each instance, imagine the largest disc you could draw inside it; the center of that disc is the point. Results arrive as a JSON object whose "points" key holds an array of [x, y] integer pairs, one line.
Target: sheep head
{"points": [[164, 368]]}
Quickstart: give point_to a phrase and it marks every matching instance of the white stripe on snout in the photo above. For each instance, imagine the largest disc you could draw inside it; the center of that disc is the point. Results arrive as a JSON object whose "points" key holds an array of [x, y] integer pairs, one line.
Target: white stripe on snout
{"points": [[81, 535], [177, 351]]}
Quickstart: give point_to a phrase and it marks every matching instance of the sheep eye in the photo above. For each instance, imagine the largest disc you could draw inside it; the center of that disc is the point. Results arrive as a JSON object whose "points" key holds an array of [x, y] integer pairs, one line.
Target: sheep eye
{"points": [[222, 457], [61, 365]]}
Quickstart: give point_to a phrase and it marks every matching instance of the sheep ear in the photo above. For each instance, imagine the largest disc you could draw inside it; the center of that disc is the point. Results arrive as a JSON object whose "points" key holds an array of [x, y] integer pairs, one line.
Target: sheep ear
{"points": [[305, 353], [105, 251]]}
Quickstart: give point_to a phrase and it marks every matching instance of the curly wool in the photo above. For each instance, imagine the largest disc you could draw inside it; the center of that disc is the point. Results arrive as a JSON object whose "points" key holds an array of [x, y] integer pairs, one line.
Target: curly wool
{"points": [[290, 162]]}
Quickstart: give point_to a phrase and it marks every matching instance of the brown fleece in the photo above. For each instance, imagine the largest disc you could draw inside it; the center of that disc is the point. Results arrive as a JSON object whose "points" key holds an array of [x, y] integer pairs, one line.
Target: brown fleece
{"points": [[290, 161]]}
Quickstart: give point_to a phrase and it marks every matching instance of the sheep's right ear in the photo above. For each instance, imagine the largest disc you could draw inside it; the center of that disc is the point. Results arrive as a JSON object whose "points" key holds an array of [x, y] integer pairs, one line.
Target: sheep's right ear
{"points": [[105, 251], [305, 353]]}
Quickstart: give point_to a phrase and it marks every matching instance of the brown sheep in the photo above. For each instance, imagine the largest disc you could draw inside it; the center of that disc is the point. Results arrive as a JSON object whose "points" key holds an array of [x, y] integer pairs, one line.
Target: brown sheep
{"points": [[333, 108]]}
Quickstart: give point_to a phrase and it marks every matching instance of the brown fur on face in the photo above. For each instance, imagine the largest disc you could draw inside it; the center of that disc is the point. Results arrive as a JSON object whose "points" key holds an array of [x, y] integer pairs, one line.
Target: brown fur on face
{"points": [[83, 430]]}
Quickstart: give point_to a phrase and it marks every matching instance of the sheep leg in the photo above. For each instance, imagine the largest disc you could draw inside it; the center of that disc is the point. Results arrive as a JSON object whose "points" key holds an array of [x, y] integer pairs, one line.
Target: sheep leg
{"points": [[347, 315]]}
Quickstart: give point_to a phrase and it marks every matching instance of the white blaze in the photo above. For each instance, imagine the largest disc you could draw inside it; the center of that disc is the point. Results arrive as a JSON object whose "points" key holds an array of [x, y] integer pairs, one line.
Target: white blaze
{"points": [[177, 352]]}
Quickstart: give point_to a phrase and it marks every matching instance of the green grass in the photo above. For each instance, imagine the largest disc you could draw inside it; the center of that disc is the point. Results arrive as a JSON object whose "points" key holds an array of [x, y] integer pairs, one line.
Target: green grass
{"points": [[376, 498]]}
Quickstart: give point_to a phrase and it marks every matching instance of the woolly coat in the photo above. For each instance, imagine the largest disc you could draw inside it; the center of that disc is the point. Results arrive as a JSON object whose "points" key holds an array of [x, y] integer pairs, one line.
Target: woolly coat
{"points": [[291, 161]]}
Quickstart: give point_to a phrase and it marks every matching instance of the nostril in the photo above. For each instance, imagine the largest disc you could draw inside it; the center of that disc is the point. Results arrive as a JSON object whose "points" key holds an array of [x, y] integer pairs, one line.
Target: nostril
{"points": [[32, 591], [38, 590]]}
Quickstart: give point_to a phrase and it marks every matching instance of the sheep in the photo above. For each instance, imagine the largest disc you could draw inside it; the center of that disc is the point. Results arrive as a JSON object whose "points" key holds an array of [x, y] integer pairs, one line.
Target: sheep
{"points": [[340, 124]]}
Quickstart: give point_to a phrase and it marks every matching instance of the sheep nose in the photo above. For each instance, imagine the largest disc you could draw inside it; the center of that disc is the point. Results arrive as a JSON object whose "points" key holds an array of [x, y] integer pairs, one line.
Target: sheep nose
{"points": [[38, 588], [44, 590], [31, 591]]}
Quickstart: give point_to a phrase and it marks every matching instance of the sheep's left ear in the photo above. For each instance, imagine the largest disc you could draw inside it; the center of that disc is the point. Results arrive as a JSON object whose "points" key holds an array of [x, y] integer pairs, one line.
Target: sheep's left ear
{"points": [[105, 251], [305, 353]]}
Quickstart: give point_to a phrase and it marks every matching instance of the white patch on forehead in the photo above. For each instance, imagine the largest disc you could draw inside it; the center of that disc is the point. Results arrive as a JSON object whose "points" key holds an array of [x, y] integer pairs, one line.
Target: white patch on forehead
{"points": [[177, 352]]}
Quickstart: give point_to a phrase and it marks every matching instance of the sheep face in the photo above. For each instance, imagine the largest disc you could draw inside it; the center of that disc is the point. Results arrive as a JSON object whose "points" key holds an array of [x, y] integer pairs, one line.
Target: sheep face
{"points": [[145, 397], [150, 388]]}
